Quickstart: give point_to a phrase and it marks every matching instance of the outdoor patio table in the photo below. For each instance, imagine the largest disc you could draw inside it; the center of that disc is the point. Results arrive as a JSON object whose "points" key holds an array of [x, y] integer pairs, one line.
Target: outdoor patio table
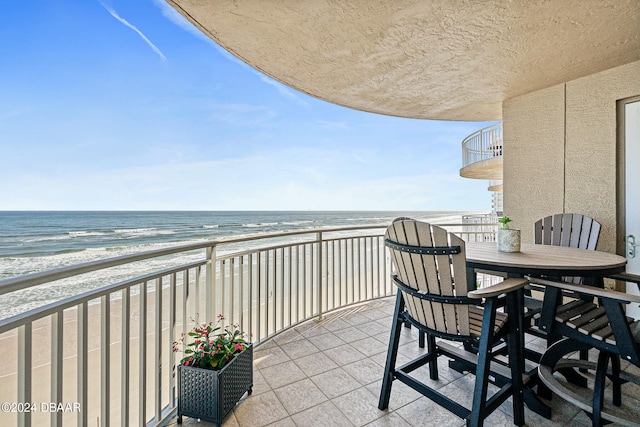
{"points": [[540, 260], [537, 260]]}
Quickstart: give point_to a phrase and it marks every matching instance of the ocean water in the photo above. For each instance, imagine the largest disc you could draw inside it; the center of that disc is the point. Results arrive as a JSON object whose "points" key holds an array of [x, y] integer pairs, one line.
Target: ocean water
{"points": [[38, 241]]}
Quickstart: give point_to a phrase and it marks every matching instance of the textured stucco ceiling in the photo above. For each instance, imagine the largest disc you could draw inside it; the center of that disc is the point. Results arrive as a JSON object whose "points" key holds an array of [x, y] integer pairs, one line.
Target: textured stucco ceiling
{"points": [[431, 59]]}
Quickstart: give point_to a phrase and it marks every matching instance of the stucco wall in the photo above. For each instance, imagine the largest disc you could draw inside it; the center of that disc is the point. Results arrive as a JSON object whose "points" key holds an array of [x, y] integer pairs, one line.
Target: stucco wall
{"points": [[560, 150], [533, 131]]}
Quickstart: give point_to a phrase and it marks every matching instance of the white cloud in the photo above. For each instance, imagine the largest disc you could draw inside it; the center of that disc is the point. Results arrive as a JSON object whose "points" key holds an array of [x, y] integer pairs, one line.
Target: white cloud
{"points": [[255, 182], [282, 89], [134, 28], [176, 18]]}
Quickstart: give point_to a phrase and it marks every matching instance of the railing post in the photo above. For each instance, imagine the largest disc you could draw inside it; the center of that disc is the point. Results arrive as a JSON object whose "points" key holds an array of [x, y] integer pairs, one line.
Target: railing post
{"points": [[83, 366], [125, 356], [210, 288], [158, 351], [25, 356], [105, 359], [319, 277], [57, 322]]}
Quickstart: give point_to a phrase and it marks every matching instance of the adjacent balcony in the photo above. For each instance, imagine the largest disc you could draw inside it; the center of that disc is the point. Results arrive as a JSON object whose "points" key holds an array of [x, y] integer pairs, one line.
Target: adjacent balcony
{"points": [[482, 154]]}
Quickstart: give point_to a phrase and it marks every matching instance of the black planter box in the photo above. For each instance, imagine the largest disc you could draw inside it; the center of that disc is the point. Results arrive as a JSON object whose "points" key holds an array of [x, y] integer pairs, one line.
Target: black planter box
{"points": [[210, 395]]}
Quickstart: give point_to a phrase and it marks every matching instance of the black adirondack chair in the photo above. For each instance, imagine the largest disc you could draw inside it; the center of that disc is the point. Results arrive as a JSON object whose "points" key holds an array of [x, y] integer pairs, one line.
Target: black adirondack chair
{"points": [[580, 325], [430, 273], [569, 230]]}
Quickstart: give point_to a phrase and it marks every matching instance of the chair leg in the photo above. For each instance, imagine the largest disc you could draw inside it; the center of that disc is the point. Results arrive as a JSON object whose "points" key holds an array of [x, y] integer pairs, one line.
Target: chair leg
{"points": [[584, 355], [478, 411], [515, 347], [392, 353], [433, 365], [544, 392], [598, 388], [421, 337], [615, 379]]}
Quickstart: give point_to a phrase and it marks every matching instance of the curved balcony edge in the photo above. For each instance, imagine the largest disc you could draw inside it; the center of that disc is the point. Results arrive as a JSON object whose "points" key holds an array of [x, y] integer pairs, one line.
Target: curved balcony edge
{"points": [[490, 169], [483, 144]]}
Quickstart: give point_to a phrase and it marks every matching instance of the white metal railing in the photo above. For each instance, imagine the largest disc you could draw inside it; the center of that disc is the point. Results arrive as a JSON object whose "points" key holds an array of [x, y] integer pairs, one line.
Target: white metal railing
{"points": [[486, 219], [104, 357], [483, 144]]}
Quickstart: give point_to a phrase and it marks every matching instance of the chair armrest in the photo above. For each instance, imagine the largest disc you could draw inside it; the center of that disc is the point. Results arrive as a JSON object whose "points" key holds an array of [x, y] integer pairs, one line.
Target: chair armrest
{"points": [[506, 286], [627, 277], [589, 290]]}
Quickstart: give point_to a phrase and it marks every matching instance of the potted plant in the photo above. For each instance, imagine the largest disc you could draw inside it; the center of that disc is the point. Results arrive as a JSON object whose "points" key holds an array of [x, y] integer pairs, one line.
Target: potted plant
{"points": [[508, 239], [215, 372]]}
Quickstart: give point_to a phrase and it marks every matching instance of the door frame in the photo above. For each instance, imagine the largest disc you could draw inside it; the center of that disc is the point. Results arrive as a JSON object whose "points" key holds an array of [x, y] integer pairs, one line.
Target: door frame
{"points": [[621, 228]]}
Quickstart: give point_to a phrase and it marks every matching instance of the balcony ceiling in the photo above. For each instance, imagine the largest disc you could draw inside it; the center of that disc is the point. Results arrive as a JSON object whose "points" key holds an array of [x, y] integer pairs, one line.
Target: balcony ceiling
{"points": [[428, 59]]}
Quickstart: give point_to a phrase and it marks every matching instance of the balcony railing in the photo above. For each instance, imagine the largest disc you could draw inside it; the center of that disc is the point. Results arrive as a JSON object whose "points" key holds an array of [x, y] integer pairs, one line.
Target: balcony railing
{"points": [[482, 145], [105, 356]]}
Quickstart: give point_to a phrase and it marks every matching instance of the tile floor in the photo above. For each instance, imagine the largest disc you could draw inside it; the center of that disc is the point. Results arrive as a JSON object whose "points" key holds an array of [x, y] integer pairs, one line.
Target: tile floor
{"points": [[328, 373]]}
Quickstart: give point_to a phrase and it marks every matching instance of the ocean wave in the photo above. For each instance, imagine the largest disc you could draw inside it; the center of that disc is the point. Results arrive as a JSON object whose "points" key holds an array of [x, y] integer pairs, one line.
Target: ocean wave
{"points": [[297, 222], [68, 236], [260, 224], [224, 225], [135, 230], [47, 238], [444, 218], [39, 253], [122, 232], [368, 219], [85, 233]]}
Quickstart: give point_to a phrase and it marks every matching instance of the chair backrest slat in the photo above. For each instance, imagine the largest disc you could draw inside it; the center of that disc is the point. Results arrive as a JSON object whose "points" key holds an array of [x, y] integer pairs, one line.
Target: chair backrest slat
{"points": [[443, 263], [585, 233], [404, 268], [459, 265], [576, 231], [425, 273], [420, 271], [546, 233], [445, 276], [556, 232], [537, 232], [593, 235]]}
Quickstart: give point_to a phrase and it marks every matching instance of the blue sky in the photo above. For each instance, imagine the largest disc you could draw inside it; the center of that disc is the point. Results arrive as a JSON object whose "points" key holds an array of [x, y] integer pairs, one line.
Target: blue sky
{"points": [[123, 105]]}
